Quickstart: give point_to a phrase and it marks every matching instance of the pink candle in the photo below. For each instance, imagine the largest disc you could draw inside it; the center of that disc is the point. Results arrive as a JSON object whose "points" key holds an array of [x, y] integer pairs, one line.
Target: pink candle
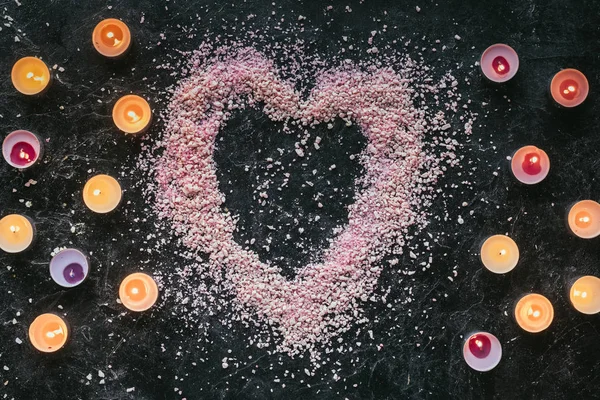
{"points": [[530, 165], [499, 63], [21, 149], [482, 351]]}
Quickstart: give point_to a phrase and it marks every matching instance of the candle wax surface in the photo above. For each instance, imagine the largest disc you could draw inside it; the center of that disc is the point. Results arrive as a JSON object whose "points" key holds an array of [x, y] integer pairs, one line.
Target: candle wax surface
{"points": [[480, 345], [30, 75], [22, 154], [48, 333], [73, 273], [500, 65], [531, 164], [102, 193], [111, 35], [136, 290], [569, 89]]}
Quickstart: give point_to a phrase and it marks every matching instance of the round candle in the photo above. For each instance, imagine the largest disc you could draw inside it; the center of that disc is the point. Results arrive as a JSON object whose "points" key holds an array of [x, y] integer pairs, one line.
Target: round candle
{"points": [[138, 292], [584, 219], [111, 37], [30, 75], [569, 87], [585, 294], [499, 62], [69, 267], [482, 351], [132, 114], [102, 194], [534, 313], [48, 333], [530, 165], [16, 233], [21, 149], [499, 254]]}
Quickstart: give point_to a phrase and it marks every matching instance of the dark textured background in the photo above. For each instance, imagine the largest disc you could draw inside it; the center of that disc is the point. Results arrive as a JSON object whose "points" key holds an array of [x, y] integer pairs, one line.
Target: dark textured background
{"points": [[75, 114]]}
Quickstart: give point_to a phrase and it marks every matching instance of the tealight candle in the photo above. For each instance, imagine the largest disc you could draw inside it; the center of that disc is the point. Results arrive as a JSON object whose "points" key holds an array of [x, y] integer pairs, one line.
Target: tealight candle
{"points": [[584, 219], [69, 267], [48, 333], [138, 292], [132, 114], [16, 233], [499, 254], [569, 87], [21, 149], [530, 165], [102, 194], [111, 38], [499, 63], [30, 76], [534, 313], [482, 351], [585, 294]]}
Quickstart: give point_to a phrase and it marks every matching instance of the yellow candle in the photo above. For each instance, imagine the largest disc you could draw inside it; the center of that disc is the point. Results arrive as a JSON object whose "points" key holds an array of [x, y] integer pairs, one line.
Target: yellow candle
{"points": [[534, 313], [499, 254], [132, 114], [138, 292], [111, 37], [584, 219], [48, 333], [30, 75], [585, 294], [102, 194], [16, 233]]}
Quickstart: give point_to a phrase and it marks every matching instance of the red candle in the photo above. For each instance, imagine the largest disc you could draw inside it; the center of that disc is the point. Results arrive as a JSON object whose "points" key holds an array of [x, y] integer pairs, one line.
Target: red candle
{"points": [[482, 351], [530, 165], [499, 62], [569, 87]]}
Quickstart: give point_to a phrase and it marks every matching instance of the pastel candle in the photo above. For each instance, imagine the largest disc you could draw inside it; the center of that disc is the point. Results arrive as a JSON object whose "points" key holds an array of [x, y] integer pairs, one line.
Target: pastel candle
{"points": [[48, 333], [102, 194], [482, 351], [30, 76], [132, 114], [534, 313], [499, 63], [16, 233], [69, 267], [569, 87], [138, 292], [499, 254], [111, 37], [21, 149], [584, 219], [530, 165], [585, 294]]}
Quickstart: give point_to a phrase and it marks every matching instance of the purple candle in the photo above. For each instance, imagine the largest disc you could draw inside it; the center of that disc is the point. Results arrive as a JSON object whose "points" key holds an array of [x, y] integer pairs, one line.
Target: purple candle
{"points": [[21, 149], [69, 267]]}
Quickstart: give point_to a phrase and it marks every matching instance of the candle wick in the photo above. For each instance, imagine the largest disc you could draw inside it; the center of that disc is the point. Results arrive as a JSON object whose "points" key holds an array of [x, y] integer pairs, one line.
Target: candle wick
{"points": [[135, 291], [502, 252], [30, 75], [97, 192], [134, 117], [14, 228]]}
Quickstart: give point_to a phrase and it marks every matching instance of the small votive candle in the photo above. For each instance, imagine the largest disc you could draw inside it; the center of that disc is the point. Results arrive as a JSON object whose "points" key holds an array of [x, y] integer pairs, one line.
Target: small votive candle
{"points": [[499, 254], [21, 149], [499, 62], [102, 194], [482, 351], [132, 114], [584, 219], [569, 87], [16, 233], [585, 294], [111, 38], [534, 313], [69, 267], [530, 165], [48, 333], [30, 76], [138, 292]]}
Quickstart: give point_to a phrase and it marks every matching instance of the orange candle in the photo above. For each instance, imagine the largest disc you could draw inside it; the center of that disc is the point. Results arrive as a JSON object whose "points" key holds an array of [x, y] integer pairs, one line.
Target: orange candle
{"points": [[111, 38], [132, 114], [499, 254], [30, 76], [534, 313], [584, 219], [138, 292], [48, 333], [102, 194], [585, 294], [569, 87], [16, 233]]}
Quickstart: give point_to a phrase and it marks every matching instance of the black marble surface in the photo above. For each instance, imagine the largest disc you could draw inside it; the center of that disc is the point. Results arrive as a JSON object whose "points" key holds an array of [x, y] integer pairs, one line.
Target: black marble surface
{"points": [[421, 356]]}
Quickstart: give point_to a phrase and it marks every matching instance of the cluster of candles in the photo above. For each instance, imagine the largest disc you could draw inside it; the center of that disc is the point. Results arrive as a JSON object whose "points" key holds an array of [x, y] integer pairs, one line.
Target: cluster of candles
{"points": [[101, 194], [534, 313]]}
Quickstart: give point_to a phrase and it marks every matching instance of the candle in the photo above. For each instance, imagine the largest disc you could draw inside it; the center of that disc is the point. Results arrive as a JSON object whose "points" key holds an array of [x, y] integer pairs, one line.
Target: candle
{"points": [[132, 114], [111, 38], [16, 233], [499, 63], [48, 333], [69, 267], [482, 351], [102, 194], [138, 292], [569, 87], [21, 149], [530, 165], [585, 294], [30, 76], [534, 313], [499, 254], [584, 219]]}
